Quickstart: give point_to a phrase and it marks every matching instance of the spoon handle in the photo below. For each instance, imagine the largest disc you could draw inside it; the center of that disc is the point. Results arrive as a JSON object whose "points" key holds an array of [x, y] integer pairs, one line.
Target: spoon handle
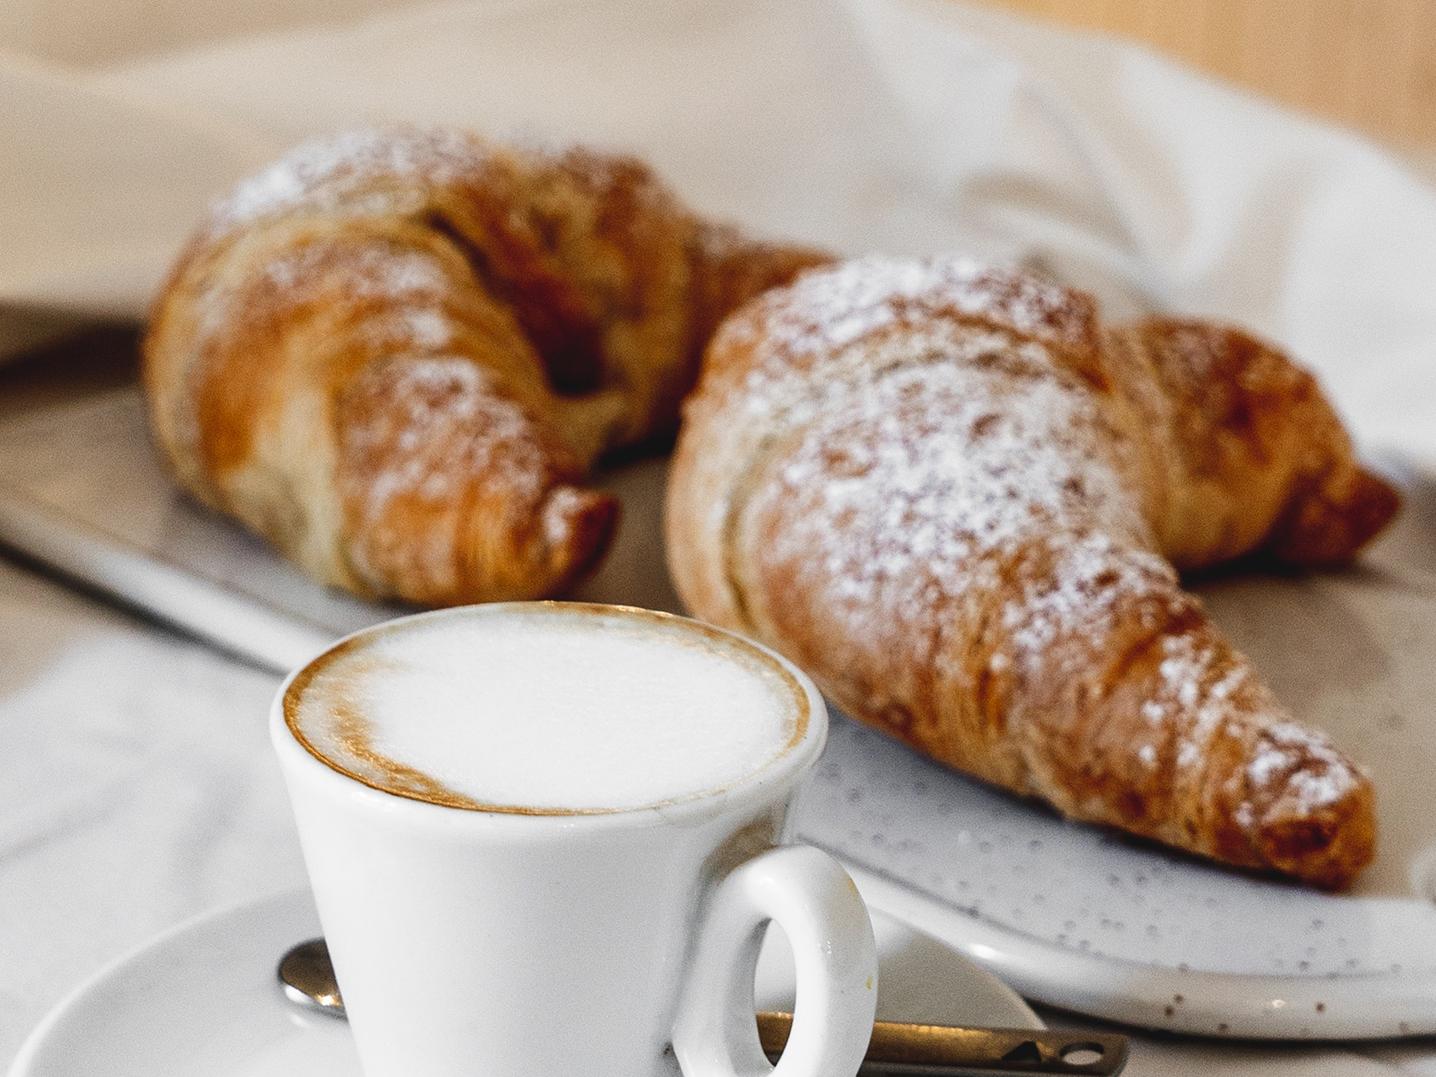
{"points": [[933, 1050]]}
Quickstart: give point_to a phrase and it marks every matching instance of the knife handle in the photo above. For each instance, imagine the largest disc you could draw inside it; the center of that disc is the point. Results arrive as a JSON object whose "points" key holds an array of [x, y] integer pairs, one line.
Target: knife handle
{"points": [[940, 1050]]}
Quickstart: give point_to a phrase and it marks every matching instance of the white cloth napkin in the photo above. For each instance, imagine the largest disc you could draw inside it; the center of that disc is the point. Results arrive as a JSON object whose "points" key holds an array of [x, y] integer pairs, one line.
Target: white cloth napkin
{"points": [[135, 784]]}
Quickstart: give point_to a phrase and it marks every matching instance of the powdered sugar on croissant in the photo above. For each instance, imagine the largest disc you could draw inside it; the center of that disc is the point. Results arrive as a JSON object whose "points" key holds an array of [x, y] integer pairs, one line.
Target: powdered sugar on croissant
{"points": [[956, 500]]}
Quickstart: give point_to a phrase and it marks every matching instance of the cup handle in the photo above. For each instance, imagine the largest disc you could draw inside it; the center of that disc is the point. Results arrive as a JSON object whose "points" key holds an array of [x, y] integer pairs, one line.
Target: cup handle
{"points": [[808, 894]]}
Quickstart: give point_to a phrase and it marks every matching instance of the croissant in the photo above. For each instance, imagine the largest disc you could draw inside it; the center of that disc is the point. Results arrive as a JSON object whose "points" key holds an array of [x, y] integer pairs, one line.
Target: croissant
{"points": [[960, 503], [397, 354]]}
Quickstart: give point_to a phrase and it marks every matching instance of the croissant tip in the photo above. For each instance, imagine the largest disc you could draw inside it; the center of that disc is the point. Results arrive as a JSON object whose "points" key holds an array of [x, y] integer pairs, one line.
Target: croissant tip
{"points": [[1329, 531], [1326, 844], [578, 526], [1375, 504]]}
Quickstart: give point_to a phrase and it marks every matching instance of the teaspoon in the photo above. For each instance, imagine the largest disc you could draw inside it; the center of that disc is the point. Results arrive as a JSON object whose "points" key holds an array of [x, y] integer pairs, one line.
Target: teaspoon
{"points": [[917, 1050], [309, 981]]}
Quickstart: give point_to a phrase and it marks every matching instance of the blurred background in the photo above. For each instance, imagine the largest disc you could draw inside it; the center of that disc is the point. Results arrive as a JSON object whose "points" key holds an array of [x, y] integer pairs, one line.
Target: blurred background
{"points": [[1368, 64]]}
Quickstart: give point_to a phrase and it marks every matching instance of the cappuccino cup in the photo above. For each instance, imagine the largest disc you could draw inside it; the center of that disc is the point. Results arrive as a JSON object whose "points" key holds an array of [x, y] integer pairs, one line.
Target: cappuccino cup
{"points": [[545, 839]]}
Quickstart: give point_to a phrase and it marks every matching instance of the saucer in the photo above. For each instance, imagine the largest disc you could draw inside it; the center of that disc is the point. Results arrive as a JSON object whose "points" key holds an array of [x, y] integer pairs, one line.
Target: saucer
{"points": [[203, 998]]}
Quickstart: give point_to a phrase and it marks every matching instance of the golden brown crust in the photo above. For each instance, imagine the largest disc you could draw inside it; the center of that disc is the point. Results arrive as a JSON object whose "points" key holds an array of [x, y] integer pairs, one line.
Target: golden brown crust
{"points": [[955, 500], [1258, 460], [396, 354]]}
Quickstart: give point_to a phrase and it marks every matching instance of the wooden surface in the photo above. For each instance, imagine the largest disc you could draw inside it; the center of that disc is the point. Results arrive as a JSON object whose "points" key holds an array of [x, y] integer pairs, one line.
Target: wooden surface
{"points": [[1369, 64]]}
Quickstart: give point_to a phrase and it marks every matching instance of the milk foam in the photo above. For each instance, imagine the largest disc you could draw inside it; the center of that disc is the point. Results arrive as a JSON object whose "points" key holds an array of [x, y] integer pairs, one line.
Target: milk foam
{"points": [[547, 709]]}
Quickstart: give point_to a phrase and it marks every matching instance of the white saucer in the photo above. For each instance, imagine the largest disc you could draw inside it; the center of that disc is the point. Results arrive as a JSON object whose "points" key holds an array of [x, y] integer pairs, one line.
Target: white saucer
{"points": [[203, 999]]}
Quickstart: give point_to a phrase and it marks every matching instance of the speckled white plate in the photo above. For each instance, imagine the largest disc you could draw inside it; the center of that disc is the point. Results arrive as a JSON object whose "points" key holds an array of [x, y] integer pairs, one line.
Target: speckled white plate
{"points": [[202, 999], [1095, 922], [1070, 915]]}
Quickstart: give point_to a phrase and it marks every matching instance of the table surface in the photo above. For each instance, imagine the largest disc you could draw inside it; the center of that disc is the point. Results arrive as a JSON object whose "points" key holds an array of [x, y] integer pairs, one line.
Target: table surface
{"points": [[1370, 65]]}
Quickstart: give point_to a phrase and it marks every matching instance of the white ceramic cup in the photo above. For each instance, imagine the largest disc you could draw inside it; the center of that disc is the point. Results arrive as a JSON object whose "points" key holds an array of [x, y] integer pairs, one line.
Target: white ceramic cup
{"points": [[502, 944]]}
